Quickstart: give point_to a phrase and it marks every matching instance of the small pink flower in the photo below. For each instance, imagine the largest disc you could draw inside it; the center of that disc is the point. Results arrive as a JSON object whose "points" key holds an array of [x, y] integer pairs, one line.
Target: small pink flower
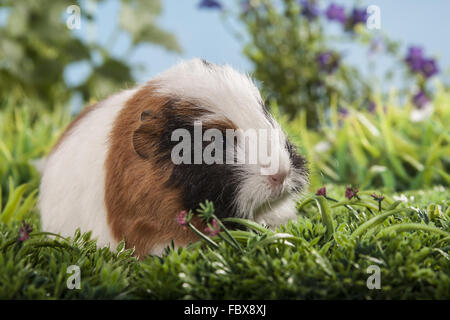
{"points": [[322, 192], [24, 232], [182, 218], [351, 192], [214, 230], [377, 197]]}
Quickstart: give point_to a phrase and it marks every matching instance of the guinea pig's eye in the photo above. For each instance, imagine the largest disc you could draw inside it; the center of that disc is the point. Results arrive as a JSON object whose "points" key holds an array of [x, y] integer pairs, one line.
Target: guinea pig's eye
{"points": [[146, 115]]}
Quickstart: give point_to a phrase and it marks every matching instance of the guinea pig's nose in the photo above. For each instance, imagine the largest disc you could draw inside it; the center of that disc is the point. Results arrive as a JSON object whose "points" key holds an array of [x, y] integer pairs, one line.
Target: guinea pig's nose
{"points": [[277, 178]]}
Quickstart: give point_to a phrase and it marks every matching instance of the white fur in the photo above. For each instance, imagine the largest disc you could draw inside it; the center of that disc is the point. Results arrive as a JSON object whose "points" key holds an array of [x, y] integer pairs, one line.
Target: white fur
{"points": [[72, 185], [277, 213], [219, 89]]}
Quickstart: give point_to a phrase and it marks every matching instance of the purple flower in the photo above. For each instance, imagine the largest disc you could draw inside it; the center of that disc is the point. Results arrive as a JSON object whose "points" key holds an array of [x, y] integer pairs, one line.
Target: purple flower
{"points": [[351, 192], [418, 63], [357, 16], [309, 9], [377, 197], [372, 107], [210, 4], [343, 112], [328, 61], [420, 99], [214, 230], [245, 6], [322, 192], [24, 232], [336, 12], [429, 68], [415, 58], [415, 52], [182, 218]]}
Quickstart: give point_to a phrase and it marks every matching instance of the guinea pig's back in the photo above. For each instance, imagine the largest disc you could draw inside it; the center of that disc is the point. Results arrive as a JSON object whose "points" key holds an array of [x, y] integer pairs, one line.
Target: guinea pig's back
{"points": [[73, 181]]}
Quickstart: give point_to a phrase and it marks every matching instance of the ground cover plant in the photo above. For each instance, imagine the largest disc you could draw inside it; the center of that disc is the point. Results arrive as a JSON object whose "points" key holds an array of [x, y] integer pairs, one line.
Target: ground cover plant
{"points": [[303, 260]]}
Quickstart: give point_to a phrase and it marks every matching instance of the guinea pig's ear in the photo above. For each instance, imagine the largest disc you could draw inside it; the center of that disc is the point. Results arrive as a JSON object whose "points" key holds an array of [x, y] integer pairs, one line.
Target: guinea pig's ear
{"points": [[142, 136]]}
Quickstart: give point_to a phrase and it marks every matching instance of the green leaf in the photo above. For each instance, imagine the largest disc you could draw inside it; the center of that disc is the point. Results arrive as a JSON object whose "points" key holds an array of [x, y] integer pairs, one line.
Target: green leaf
{"points": [[250, 224], [13, 202], [279, 238], [325, 213], [376, 221], [406, 227]]}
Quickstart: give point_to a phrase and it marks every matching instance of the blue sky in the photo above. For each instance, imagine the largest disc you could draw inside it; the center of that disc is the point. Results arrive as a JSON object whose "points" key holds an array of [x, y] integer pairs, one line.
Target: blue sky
{"points": [[202, 33]]}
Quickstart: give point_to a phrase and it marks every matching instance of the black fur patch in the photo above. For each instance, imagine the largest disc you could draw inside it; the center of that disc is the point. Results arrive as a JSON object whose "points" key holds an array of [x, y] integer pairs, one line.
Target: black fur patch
{"points": [[298, 162], [198, 182]]}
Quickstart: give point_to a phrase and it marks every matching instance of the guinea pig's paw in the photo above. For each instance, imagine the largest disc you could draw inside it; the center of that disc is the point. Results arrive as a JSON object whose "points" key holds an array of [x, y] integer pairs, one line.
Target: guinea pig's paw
{"points": [[276, 217], [274, 222], [263, 222]]}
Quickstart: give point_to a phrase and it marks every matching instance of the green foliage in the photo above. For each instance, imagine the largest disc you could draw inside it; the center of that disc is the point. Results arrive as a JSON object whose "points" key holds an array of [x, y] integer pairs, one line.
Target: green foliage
{"points": [[16, 206], [36, 47], [298, 261], [27, 132], [383, 149], [37, 268]]}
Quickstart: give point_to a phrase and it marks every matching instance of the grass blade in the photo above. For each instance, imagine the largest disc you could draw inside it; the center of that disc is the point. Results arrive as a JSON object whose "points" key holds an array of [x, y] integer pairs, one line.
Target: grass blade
{"points": [[249, 224], [13, 203], [404, 227], [325, 213], [375, 221]]}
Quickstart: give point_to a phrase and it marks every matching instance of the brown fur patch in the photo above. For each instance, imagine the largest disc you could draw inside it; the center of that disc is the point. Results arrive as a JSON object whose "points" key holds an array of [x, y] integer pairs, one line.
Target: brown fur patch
{"points": [[140, 208]]}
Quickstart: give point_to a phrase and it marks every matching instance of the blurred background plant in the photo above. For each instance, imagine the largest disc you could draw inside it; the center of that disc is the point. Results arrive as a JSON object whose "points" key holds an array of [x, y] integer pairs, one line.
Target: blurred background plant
{"points": [[36, 49], [296, 59], [27, 133], [395, 147]]}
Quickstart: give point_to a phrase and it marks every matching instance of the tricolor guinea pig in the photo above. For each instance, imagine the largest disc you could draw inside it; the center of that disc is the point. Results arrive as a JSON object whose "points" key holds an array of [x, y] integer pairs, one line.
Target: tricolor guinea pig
{"points": [[116, 170]]}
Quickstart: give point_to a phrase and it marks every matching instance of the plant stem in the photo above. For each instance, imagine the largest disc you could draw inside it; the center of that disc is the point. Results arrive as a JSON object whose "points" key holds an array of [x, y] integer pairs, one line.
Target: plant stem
{"points": [[236, 244], [201, 235]]}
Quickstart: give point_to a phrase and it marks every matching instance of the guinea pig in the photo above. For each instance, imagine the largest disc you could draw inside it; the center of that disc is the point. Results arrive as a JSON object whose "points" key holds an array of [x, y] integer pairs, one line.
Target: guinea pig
{"points": [[112, 171]]}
